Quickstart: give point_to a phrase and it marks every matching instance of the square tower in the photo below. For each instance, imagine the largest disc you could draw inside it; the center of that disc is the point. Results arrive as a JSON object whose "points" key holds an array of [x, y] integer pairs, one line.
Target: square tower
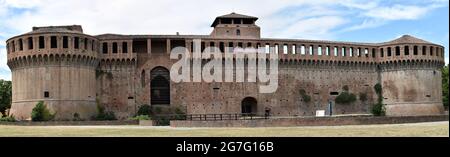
{"points": [[235, 26]]}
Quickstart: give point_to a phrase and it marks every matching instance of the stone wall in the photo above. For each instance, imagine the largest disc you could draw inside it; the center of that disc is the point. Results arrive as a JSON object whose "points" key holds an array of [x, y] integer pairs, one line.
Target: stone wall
{"points": [[312, 121]]}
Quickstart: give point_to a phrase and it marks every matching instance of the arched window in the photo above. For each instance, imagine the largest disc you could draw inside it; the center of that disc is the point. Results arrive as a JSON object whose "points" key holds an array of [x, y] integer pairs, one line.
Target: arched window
{"points": [[160, 86], [238, 32]]}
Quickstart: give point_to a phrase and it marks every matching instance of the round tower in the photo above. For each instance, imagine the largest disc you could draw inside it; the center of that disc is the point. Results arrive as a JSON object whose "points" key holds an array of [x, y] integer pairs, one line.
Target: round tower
{"points": [[55, 65], [411, 77]]}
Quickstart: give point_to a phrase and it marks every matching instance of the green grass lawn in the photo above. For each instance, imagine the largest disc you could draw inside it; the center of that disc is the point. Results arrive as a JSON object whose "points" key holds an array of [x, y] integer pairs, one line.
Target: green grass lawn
{"points": [[414, 129]]}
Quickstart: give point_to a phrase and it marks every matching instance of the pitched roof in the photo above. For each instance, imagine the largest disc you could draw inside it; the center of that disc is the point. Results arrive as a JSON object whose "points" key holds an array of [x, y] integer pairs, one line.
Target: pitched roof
{"points": [[407, 39], [232, 15], [235, 15]]}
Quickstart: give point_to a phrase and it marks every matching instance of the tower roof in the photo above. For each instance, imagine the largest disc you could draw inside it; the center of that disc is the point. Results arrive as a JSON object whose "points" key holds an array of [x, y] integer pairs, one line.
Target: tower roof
{"points": [[407, 39], [232, 15]]}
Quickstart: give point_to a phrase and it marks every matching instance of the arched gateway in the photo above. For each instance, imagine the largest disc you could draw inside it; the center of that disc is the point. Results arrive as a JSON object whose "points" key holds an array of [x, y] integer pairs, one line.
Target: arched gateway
{"points": [[160, 86], [249, 105]]}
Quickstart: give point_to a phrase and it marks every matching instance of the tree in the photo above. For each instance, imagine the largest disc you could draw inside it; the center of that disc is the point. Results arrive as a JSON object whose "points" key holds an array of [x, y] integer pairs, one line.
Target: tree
{"points": [[445, 85], [41, 113], [5, 95], [378, 109]]}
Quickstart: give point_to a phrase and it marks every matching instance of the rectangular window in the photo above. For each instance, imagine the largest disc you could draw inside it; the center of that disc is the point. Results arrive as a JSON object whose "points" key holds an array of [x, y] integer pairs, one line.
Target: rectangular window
{"points": [[105, 48], [92, 45], [202, 47], [211, 46], [13, 46], [285, 49], [343, 52], [431, 51], [294, 49], [20, 45], [406, 50], [335, 51], [65, 42], [240, 45], [267, 48], [311, 50], [53, 42], [381, 52], [397, 51], [222, 47], [327, 51], [374, 53], [46, 94], [319, 50], [366, 52], [389, 52], [415, 50], [125, 47], [302, 50], [276, 49], [85, 43], [76, 43], [30, 43], [114, 47], [350, 52], [41, 42], [424, 50], [231, 46]]}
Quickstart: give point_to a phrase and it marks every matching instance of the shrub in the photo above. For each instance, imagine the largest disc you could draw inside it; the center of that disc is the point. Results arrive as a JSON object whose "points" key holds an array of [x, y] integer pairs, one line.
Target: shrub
{"points": [[41, 113], [180, 114], [76, 117], [306, 98], [345, 98], [378, 109], [144, 110], [7, 118], [104, 115], [141, 117], [157, 110]]}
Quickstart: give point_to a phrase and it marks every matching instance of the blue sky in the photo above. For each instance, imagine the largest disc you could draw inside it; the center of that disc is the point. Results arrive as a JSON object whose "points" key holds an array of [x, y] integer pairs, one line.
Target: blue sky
{"points": [[342, 20]]}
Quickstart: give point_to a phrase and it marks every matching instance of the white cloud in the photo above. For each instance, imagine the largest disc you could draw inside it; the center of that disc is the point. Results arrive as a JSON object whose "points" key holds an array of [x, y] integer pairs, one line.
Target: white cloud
{"points": [[314, 28], [367, 23], [21, 3], [398, 12], [4, 69]]}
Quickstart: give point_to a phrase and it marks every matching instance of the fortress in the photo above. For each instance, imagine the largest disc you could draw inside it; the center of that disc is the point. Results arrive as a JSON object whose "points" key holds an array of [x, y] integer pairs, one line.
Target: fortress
{"points": [[72, 72]]}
